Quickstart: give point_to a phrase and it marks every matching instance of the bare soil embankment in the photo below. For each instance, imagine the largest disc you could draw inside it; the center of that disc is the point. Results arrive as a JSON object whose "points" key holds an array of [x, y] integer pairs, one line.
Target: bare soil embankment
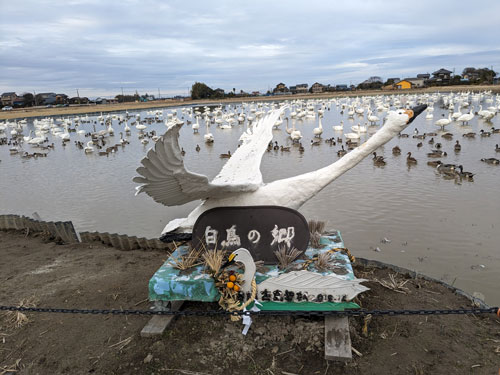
{"points": [[35, 269]]}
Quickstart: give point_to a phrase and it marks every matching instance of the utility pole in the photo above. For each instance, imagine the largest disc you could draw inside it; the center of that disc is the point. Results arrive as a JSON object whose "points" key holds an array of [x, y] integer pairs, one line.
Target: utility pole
{"points": [[34, 97], [159, 96], [78, 95]]}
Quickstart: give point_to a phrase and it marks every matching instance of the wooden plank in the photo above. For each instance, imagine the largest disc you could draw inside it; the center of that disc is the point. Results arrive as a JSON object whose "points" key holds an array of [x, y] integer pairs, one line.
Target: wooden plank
{"points": [[337, 339], [159, 323]]}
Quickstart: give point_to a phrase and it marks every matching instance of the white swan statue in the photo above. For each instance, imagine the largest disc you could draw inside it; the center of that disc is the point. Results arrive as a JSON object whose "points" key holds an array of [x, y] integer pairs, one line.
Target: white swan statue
{"points": [[239, 183]]}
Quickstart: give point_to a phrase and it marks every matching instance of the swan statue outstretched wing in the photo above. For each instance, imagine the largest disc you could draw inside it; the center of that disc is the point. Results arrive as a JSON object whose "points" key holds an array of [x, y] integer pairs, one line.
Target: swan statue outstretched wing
{"points": [[244, 165], [167, 181]]}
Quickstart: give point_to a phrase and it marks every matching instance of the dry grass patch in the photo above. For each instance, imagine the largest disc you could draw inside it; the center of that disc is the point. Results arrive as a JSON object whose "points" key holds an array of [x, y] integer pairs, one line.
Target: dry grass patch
{"points": [[394, 284], [18, 319]]}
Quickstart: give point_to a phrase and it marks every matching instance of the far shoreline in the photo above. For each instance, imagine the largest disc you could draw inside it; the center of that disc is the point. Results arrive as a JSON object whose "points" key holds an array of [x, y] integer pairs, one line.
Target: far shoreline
{"points": [[30, 112]]}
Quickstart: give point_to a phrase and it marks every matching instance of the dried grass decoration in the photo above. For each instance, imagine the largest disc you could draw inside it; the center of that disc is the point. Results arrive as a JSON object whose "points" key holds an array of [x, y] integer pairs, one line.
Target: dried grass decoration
{"points": [[213, 260], [286, 256], [316, 229], [323, 260], [229, 284], [190, 258]]}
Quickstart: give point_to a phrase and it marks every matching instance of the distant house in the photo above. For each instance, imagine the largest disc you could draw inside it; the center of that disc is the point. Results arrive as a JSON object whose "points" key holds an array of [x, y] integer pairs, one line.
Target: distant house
{"points": [[341, 88], [442, 74], [77, 100], [8, 98], [470, 74], [293, 89], [102, 100], [424, 76], [403, 85], [61, 99], [302, 88], [280, 88], [219, 92], [416, 82], [106, 100], [441, 77], [18, 101], [317, 88], [46, 98]]}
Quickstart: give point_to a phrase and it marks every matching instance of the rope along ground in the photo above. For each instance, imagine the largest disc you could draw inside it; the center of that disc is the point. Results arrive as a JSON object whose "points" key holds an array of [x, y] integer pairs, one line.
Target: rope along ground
{"points": [[491, 310]]}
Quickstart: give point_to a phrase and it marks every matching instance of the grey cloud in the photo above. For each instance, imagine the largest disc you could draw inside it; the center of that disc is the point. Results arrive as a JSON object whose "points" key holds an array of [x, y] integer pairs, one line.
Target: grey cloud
{"points": [[143, 45]]}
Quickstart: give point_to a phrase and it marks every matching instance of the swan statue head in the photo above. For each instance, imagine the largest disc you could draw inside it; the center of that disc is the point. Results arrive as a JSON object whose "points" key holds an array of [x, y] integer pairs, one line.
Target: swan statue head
{"points": [[402, 117], [243, 256]]}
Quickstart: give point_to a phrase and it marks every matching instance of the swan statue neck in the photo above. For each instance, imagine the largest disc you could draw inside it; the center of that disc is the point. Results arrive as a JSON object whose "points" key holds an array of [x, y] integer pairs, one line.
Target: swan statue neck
{"points": [[244, 256], [300, 189]]}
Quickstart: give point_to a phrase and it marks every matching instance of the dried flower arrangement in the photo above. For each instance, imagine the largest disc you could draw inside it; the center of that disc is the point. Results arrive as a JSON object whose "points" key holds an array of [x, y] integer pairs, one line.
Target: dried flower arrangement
{"points": [[323, 260], [316, 229], [286, 256], [189, 259]]}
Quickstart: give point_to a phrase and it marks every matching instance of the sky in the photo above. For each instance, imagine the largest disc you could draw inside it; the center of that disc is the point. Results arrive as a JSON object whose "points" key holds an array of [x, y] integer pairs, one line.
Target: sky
{"points": [[103, 47]]}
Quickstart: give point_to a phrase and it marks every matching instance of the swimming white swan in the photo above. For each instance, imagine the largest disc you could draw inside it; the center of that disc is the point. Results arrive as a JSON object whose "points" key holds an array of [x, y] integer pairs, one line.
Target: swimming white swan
{"points": [[28, 138], [339, 128], [359, 128], [443, 122], [278, 123], [297, 281], [296, 135], [319, 130], [209, 138], [196, 125], [457, 114], [111, 131], [465, 118], [89, 149], [287, 129], [239, 183], [372, 118], [38, 140], [64, 135], [356, 135]]}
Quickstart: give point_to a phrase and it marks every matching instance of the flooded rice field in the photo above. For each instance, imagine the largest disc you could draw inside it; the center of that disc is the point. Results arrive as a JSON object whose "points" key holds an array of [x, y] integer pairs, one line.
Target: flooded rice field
{"points": [[417, 216]]}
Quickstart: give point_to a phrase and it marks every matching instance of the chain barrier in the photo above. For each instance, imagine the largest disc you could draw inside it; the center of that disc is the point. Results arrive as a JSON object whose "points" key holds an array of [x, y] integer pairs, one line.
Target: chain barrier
{"points": [[491, 310]]}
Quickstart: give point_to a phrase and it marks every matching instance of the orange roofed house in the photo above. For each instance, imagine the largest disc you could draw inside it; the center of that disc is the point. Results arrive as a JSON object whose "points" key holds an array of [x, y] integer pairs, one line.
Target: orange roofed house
{"points": [[403, 85]]}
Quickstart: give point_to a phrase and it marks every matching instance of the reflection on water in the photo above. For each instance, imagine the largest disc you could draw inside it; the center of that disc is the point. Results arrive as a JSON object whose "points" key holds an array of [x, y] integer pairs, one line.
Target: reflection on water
{"points": [[443, 228]]}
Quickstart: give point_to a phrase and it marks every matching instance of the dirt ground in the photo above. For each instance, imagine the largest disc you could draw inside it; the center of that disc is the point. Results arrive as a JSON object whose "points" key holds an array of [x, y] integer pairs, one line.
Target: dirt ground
{"points": [[35, 269]]}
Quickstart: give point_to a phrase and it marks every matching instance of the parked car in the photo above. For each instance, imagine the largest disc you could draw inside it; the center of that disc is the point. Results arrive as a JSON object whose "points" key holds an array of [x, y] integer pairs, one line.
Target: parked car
{"points": [[7, 108]]}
